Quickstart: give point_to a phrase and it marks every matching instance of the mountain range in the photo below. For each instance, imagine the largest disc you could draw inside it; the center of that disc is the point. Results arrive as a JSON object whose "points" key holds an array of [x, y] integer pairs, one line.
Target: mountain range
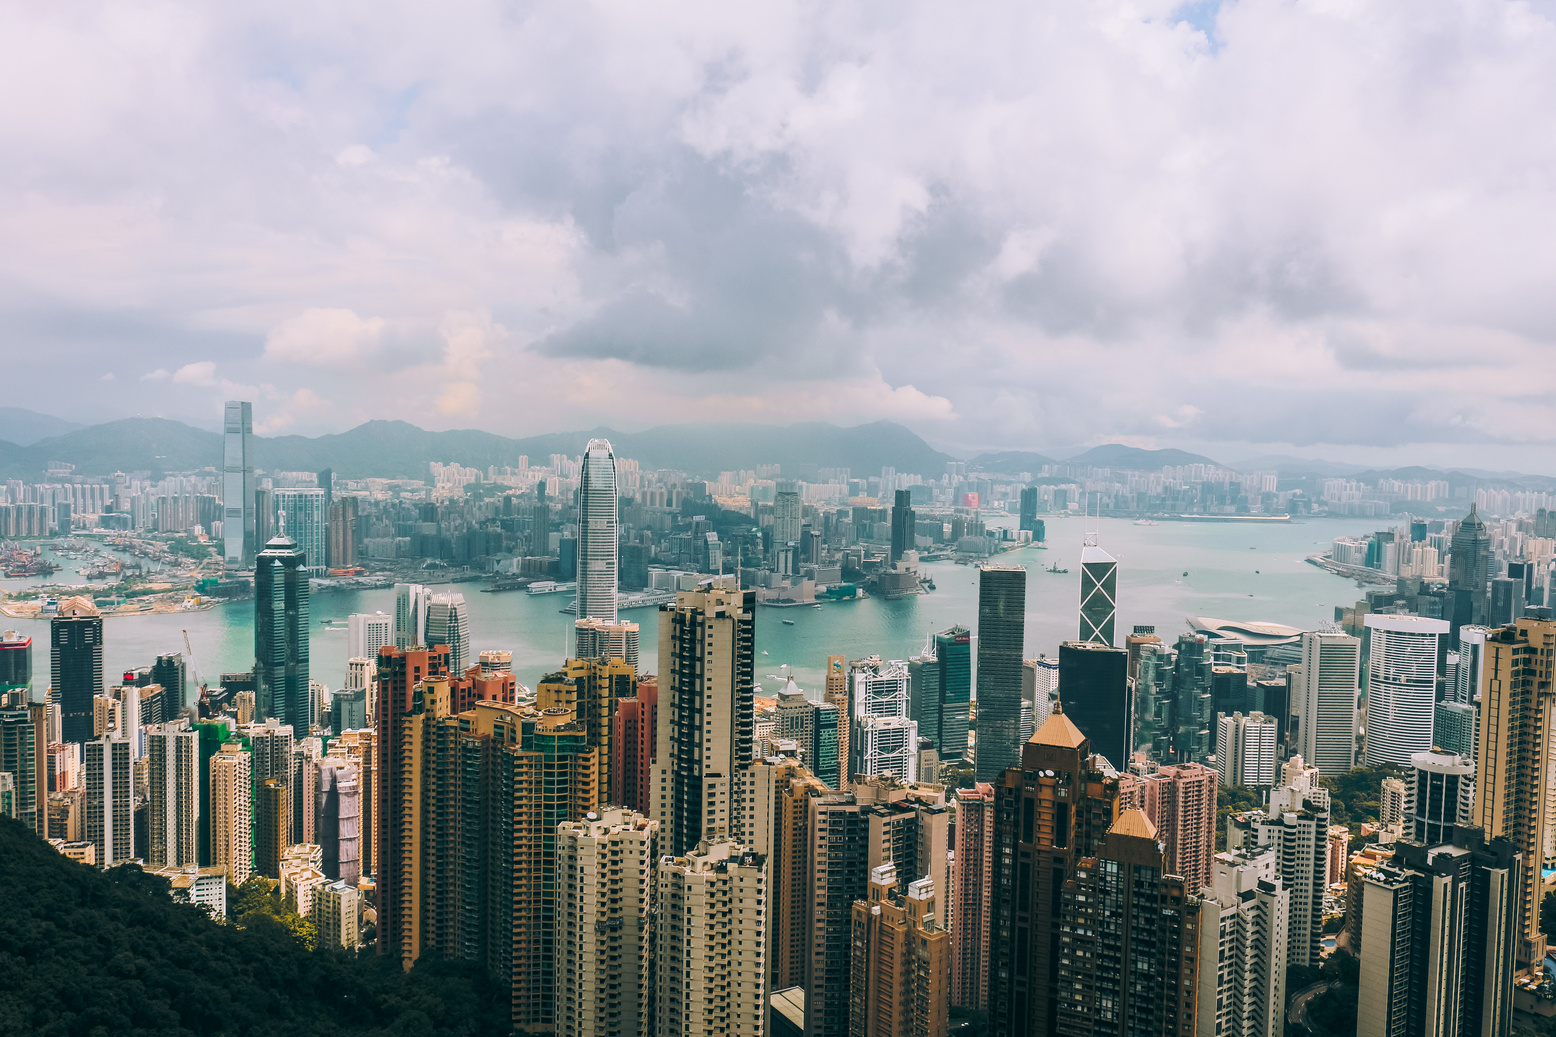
{"points": [[398, 449]]}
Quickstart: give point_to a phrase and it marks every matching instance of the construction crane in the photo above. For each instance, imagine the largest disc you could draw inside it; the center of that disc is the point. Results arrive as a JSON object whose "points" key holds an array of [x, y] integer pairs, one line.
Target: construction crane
{"points": [[189, 651]]}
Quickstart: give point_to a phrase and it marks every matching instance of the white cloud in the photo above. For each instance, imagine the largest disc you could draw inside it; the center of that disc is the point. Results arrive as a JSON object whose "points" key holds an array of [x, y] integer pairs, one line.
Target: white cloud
{"points": [[324, 337], [201, 373]]}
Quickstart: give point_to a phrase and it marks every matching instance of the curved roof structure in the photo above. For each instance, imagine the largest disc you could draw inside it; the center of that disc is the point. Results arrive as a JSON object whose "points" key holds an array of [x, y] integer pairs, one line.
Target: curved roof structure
{"points": [[1254, 634]]}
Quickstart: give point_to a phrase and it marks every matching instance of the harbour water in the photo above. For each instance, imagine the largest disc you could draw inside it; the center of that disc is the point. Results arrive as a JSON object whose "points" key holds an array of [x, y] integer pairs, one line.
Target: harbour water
{"points": [[1240, 571]]}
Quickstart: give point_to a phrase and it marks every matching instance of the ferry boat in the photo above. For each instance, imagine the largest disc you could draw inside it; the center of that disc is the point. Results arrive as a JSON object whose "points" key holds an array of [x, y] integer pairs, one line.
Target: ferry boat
{"points": [[552, 587], [787, 623]]}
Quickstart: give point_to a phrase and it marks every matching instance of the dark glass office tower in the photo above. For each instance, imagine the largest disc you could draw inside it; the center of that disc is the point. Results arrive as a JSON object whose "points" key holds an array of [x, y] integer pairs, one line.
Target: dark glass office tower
{"points": [[902, 520], [171, 672], [1469, 573], [940, 690], [76, 665], [281, 634], [1094, 686], [1029, 511], [1002, 605], [15, 664]]}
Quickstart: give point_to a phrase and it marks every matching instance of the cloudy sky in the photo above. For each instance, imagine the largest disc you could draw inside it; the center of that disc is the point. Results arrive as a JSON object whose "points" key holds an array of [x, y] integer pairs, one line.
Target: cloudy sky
{"points": [[1324, 227]]}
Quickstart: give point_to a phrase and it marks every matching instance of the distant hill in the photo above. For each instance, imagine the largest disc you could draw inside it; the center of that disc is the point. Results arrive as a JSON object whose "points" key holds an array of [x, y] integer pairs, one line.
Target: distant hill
{"points": [[25, 427], [398, 449], [1010, 462], [1285, 464], [1117, 455]]}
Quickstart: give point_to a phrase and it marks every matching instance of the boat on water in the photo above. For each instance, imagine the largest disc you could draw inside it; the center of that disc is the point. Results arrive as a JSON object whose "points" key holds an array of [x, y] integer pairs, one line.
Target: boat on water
{"points": [[787, 623], [1147, 522], [1055, 569]]}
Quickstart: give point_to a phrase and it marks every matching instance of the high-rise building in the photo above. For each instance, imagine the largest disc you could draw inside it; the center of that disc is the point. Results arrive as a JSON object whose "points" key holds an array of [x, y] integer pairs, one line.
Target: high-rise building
{"points": [[1099, 594], [1243, 926], [1296, 826], [838, 855], [706, 658], [787, 512], [76, 665], [598, 535], [367, 632], [173, 785], [448, 623], [343, 533], [971, 880], [902, 525], [15, 665], [884, 739], [1393, 799], [357, 748], [1127, 924], [1094, 683], [590, 690], [1440, 928], [172, 673], [1245, 749], [1469, 573], [1465, 687], [410, 615], [109, 804], [605, 910], [300, 516], [1324, 701], [940, 691], [326, 483], [335, 910], [633, 738], [710, 967], [607, 639], [1028, 514], [24, 755], [338, 818], [1401, 686], [1453, 728], [272, 825], [238, 532], [232, 812], [838, 694], [281, 627], [900, 960], [1049, 813], [1002, 596], [1512, 794], [1180, 800], [1443, 796]]}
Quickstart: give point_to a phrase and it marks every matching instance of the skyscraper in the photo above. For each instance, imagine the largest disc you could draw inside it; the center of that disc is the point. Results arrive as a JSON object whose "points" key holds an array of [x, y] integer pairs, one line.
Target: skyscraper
{"points": [[1512, 793], [1002, 596], [1243, 926], [1442, 796], [338, 816], [232, 812], [343, 533], [884, 739], [787, 512], [173, 781], [1401, 687], [272, 825], [172, 673], [24, 755], [1469, 573], [326, 481], [300, 516], [448, 623], [902, 527], [1324, 701], [1438, 938], [1296, 827], [1180, 800], [709, 948], [598, 534], [1245, 749], [1098, 698], [76, 665], [15, 664], [606, 639], [901, 957], [837, 693], [634, 738], [367, 632], [706, 657], [410, 615], [1099, 593], [605, 881], [238, 531], [940, 691], [971, 880], [109, 805], [281, 634]]}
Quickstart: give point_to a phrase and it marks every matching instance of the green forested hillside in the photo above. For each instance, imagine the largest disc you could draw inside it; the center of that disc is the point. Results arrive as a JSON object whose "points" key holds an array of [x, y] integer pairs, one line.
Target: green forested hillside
{"points": [[92, 954]]}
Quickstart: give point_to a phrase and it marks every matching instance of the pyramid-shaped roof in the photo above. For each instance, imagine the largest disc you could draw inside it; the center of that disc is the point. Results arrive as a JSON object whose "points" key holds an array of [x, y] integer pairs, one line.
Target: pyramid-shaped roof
{"points": [[1058, 730], [1133, 823]]}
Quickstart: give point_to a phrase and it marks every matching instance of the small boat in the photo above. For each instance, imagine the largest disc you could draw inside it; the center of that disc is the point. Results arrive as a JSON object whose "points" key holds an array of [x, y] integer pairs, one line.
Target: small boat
{"points": [[1185, 572], [787, 623], [815, 606], [1055, 569]]}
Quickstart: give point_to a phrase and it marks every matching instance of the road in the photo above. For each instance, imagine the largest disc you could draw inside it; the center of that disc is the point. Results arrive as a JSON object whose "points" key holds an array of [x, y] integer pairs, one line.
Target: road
{"points": [[1296, 1014]]}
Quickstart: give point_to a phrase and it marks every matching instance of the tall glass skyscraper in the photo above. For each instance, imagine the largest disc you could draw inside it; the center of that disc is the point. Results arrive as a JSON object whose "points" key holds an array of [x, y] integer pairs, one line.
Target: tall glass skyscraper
{"points": [[1401, 686], [1002, 609], [76, 665], [301, 514], [238, 484], [448, 623], [1469, 573], [411, 601], [597, 533], [940, 690], [281, 634], [1098, 698], [1099, 594]]}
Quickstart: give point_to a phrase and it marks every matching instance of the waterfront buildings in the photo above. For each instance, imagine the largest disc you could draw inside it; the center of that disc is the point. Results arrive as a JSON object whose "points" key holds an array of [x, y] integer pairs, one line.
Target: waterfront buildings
{"points": [[300, 516], [1098, 698], [238, 530], [1401, 687], [1324, 697], [411, 601], [1001, 632], [902, 525], [367, 632], [1512, 793], [76, 666], [281, 628], [448, 624]]}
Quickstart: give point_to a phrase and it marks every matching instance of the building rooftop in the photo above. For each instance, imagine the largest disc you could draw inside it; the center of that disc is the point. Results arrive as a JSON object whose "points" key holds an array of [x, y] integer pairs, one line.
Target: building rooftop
{"points": [[1133, 823], [1058, 730]]}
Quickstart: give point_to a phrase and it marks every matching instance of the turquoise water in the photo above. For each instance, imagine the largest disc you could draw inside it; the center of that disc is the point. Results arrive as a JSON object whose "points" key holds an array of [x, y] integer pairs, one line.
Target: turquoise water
{"points": [[1221, 560]]}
